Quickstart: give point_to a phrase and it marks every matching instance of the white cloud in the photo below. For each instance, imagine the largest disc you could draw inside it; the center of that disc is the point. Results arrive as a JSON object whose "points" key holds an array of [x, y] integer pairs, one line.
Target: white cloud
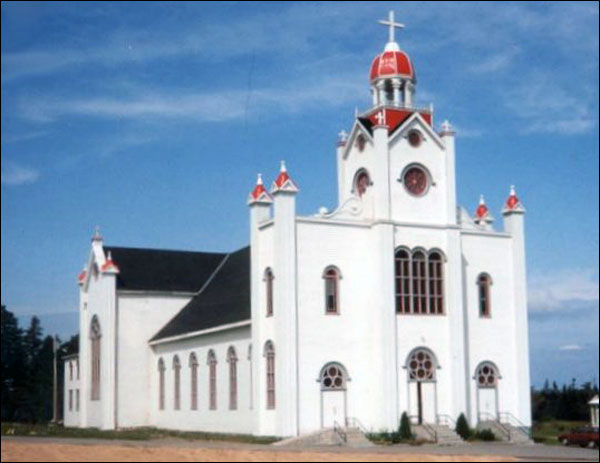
{"points": [[571, 348], [495, 62], [15, 175], [563, 290]]}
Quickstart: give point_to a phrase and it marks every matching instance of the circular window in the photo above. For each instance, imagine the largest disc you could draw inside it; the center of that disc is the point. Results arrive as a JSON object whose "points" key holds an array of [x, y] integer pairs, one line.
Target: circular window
{"points": [[333, 377], [487, 376], [416, 180], [414, 138], [421, 366]]}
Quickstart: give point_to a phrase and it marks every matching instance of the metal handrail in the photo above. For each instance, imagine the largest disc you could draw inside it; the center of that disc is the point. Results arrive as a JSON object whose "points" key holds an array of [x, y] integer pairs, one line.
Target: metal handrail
{"points": [[446, 420], [352, 422], [516, 423], [495, 419], [337, 429], [432, 432]]}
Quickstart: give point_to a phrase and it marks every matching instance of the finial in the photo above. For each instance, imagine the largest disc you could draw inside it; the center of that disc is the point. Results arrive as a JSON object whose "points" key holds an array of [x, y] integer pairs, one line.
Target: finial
{"points": [[513, 191], [343, 135], [109, 256], [391, 25], [259, 180], [481, 200], [97, 236], [283, 169]]}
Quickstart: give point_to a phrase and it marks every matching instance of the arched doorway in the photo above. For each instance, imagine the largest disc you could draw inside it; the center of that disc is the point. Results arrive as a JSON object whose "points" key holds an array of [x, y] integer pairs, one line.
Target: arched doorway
{"points": [[421, 368], [333, 379], [486, 378]]}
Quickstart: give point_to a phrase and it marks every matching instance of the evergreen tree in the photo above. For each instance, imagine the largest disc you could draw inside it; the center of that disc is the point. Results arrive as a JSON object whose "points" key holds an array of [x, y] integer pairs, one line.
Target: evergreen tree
{"points": [[404, 431], [462, 427]]}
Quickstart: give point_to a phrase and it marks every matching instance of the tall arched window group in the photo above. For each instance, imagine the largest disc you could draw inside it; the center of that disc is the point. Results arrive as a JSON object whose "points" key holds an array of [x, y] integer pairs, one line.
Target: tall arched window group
{"points": [[211, 361], [419, 281], [95, 337]]}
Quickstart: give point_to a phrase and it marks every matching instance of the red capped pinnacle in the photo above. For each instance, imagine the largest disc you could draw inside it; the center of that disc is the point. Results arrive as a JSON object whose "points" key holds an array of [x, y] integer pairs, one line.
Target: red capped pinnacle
{"points": [[259, 189], [109, 265], [82, 276], [283, 176], [513, 201], [482, 211]]}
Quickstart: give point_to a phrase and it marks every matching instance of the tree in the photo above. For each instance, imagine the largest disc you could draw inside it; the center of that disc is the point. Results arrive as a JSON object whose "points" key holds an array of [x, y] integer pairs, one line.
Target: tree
{"points": [[404, 430], [462, 427], [13, 375]]}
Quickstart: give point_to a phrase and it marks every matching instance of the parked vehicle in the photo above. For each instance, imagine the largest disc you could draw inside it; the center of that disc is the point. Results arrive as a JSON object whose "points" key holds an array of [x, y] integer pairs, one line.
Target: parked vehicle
{"points": [[585, 437]]}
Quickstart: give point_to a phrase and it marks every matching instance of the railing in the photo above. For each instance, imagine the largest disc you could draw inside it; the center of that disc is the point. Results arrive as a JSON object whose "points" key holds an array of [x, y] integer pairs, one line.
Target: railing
{"points": [[515, 423], [432, 432], [352, 422], [485, 416], [337, 429], [390, 104], [446, 420]]}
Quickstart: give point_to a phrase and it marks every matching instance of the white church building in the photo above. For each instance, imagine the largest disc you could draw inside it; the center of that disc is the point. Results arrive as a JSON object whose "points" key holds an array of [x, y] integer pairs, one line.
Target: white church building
{"points": [[399, 300]]}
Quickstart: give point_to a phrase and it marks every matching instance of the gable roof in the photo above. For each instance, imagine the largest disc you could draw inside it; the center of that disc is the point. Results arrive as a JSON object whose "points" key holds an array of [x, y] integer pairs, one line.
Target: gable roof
{"points": [[224, 300], [394, 117], [160, 270]]}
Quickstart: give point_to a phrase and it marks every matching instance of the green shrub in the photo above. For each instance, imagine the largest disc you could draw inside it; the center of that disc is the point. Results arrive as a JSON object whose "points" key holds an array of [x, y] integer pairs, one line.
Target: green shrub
{"points": [[404, 431], [462, 427], [485, 435]]}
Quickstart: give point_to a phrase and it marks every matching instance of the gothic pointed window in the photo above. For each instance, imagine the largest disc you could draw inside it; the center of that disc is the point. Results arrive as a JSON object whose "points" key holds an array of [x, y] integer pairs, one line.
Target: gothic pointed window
{"points": [[402, 271], [161, 384], [176, 383], [270, 359], [269, 291], [212, 380], [193, 382], [419, 282], [95, 337], [484, 282], [232, 360], [436, 283], [332, 281]]}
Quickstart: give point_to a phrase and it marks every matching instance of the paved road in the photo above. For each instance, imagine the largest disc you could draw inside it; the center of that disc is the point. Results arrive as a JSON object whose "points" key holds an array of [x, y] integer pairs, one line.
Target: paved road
{"points": [[535, 452]]}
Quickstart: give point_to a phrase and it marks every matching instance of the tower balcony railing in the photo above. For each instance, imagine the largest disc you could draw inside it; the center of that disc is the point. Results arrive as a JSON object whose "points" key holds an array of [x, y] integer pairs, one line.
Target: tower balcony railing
{"points": [[422, 108]]}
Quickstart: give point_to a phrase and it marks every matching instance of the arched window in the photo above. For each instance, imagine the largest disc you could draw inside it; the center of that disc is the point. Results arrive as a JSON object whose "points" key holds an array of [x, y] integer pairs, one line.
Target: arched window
{"points": [[95, 337], [212, 380], [436, 283], [419, 277], [402, 270], [176, 383], [484, 282], [269, 291], [333, 377], [193, 382], [332, 276], [270, 357], [421, 365], [70, 371], [362, 182], [487, 375], [232, 359], [161, 384]]}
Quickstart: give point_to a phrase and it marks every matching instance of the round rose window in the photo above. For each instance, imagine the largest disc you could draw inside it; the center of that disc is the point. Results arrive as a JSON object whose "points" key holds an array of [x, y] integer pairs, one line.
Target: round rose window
{"points": [[414, 138], [415, 180]]}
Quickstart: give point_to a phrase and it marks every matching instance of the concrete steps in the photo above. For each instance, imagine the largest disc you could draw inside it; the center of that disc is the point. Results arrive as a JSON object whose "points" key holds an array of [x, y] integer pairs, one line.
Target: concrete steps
{"points": [[440, 434], [348, 437]]}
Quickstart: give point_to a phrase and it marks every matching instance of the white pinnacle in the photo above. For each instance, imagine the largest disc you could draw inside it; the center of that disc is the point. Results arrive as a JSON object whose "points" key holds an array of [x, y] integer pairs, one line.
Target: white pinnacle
{"points": [[481, 200], [513, 191], [259, 180], [283, 169], [343, 135]]}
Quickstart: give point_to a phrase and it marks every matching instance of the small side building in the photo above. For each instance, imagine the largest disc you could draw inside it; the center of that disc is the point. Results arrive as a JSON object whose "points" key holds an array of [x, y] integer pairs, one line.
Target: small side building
{"points": [[594, 411], [71, 399]]}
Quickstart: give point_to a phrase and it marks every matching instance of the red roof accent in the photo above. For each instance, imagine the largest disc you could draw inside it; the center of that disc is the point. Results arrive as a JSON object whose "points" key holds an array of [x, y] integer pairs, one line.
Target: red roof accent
{"points": [[259, 189], [82, 276], [481, 211], [109, 264], [395, 117], [390, 64], [513, 201], [282, 178]]}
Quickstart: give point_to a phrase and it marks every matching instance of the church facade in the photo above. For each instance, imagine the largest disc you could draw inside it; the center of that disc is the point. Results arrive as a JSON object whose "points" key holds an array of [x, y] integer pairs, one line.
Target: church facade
{"points": [[398, 300]]}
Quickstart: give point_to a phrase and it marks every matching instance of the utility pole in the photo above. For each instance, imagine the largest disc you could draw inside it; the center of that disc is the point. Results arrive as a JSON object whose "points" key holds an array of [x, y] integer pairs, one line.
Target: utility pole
{"points": [[55, 380]]}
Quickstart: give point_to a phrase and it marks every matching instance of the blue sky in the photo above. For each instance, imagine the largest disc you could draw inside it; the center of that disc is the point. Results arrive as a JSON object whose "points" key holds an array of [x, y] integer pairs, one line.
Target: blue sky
{"points": [[152, 120]]}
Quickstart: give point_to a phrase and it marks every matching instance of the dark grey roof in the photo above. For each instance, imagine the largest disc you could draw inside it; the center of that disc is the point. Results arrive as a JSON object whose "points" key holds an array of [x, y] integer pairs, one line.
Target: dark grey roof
{"points": [[225, 300], [159, 270]]}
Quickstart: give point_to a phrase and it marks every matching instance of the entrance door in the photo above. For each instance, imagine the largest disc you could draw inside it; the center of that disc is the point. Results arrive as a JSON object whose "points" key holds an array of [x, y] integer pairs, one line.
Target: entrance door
{"points": [[334, 408], [487, 403], [487, 391], [421, 367], [333, 395]]}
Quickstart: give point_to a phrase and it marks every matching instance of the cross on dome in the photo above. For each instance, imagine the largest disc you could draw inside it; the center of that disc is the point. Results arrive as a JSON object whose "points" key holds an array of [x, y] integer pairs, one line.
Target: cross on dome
{"points": [[391, 25]]}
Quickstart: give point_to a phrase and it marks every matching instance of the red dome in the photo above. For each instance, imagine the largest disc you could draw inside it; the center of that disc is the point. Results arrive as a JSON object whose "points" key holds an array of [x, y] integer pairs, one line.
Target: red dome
{"points": [[392, 64], [513, 201], [481, 211]]}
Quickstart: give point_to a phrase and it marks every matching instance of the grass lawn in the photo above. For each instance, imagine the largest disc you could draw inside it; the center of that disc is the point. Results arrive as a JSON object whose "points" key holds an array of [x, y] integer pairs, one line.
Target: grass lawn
{"points": [[139, 434], [547, 432]]}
